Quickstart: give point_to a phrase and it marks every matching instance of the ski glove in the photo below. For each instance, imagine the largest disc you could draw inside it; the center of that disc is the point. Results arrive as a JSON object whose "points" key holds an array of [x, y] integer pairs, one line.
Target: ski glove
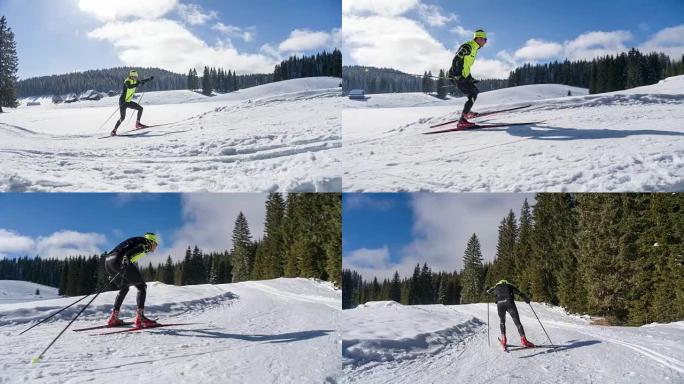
{"points": [[124, 261]]}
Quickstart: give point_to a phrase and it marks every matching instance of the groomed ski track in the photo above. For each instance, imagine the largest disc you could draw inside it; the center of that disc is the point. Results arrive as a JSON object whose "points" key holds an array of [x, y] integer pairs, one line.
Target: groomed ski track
{"points": [[624, 141], [275, 331], [448, 344], [283, 136]]}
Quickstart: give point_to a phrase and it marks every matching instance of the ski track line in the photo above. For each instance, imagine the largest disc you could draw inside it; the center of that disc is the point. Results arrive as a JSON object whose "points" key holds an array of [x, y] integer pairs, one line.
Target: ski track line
{"points": [[667, 361], [305, 298]]}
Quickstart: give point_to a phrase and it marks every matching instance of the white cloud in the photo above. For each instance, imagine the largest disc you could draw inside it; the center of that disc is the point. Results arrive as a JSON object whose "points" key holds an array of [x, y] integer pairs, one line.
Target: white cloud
{"points": [[246, 34], [209, 220], [193, 14], [304, 40], [395, 42], [14, 243], [669, 41], [433, 15], [168, 44], [66, 243], [593, 44], [442, 225], [462, 32], [122, 9], [536, 49], [378, 7]]}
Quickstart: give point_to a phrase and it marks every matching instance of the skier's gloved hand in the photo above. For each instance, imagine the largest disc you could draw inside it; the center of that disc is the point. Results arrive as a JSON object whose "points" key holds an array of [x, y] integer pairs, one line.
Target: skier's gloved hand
{"points": [[527, 300], [125, 261]]}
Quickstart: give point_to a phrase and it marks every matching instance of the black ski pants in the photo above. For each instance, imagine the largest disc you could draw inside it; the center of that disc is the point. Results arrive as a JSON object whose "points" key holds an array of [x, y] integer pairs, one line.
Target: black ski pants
{"points": [[509, 306], [122, 111], [130, 276], [470, 90]]}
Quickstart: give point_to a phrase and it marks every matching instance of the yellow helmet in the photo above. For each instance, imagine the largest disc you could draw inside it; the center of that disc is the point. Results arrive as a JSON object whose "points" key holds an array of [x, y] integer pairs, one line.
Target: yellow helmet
{"points": [[480, 33], [133, 73]]}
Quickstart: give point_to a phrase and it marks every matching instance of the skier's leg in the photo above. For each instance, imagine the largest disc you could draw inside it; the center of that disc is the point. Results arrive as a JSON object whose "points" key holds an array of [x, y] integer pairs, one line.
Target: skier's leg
{"points": [[122, 117], [513, 310], [113, 267], [121, 296], [501, 310], [471, 91], [138, 108], [134, 277]]}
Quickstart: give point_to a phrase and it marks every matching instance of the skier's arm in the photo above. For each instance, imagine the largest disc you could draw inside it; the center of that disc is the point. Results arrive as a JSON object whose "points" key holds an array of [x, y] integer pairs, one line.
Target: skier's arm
{"points": [[489, 290], [136, 252], [467, 63], [130, 84], [524, 296], [459, 61]]}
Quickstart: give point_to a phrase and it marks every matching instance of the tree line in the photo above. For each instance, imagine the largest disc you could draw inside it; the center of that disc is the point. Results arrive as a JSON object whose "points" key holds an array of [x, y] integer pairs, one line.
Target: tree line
{"points": [[321, 64], [302, 238], [604, 74], [619, 256]]}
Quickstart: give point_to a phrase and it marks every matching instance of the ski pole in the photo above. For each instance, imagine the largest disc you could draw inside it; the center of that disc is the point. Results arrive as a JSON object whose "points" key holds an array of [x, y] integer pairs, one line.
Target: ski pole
{"points": [[540, 323], [109, 118], [37, 358], [488, 342], [51, 316]]}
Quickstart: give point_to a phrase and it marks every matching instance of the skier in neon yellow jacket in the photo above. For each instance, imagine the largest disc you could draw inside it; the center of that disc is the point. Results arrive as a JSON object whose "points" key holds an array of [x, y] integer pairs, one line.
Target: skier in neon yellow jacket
{"points": [[126, 99], [120, 262], [460, 75]]}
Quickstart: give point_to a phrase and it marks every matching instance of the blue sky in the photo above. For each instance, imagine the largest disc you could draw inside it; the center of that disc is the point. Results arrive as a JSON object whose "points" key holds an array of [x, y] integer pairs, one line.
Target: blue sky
{"points": [[387, 232], [417, 35], [68, 35], [58, 225]]}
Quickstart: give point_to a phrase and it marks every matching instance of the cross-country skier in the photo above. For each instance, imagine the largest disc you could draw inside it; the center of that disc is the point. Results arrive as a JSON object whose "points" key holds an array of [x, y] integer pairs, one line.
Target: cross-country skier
{"points": [[459, 74], [122, 259], [505, 302], [126, 99]]}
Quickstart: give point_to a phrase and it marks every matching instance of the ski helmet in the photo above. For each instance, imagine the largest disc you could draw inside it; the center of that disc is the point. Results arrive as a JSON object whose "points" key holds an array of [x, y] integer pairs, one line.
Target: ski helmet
{"points": [[152, 237], [480, 33], [133, 73], [503, 281]]}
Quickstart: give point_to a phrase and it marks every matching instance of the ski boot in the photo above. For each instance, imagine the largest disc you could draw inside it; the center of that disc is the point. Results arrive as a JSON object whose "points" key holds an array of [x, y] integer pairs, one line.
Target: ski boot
{"points": [[471, 115], [465, 124], [525, 343], [114, 320], [139, 125], [143, 322], [113, 133], [503, 340]]}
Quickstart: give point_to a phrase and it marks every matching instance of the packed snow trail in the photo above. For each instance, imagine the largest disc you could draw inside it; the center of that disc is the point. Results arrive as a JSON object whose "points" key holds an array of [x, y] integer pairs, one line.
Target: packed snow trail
{"points": [[283, 136], [629, 140], [248, 334], [385, 342]]}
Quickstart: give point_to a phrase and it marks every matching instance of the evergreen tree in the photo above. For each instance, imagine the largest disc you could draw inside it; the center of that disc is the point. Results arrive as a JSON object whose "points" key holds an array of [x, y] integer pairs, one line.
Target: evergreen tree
{"points": [[206, 82], [395, 289], [442, 85], [168, 277], [242, 246], [473, 278], [8, 66]]}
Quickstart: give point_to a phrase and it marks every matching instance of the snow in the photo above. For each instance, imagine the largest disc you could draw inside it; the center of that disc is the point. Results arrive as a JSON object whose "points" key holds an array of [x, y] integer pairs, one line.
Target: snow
{"points": [[283, 330], [14, 291], [622, 141], [283, 136], [448, 344]]}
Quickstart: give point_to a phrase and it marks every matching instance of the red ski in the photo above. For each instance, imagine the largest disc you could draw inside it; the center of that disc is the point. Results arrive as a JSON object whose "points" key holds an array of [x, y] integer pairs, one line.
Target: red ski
{"points": [[143, 328], [101, 327], [482, 114], [479, 126]]}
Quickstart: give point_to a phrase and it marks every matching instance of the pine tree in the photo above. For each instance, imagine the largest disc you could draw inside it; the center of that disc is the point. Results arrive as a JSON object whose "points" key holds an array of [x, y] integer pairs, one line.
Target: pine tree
{"points": [[8, 66], [473, 278], [442, 85], [168, 277], [442, 293], [206, 82], [395, 289], [242, 246]]}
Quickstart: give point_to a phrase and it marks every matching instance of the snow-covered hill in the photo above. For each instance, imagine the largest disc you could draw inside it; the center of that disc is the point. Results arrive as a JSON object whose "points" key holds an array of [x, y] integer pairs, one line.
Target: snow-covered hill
{"points": [[630, 140], [282, 136], [14, 291], [385, 342], [276, 331]]}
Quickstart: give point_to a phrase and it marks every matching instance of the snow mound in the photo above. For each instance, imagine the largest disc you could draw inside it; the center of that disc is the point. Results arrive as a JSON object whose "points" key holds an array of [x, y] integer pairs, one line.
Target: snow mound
{"points": [[525, 93], [15, 291], [388, 331]]}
